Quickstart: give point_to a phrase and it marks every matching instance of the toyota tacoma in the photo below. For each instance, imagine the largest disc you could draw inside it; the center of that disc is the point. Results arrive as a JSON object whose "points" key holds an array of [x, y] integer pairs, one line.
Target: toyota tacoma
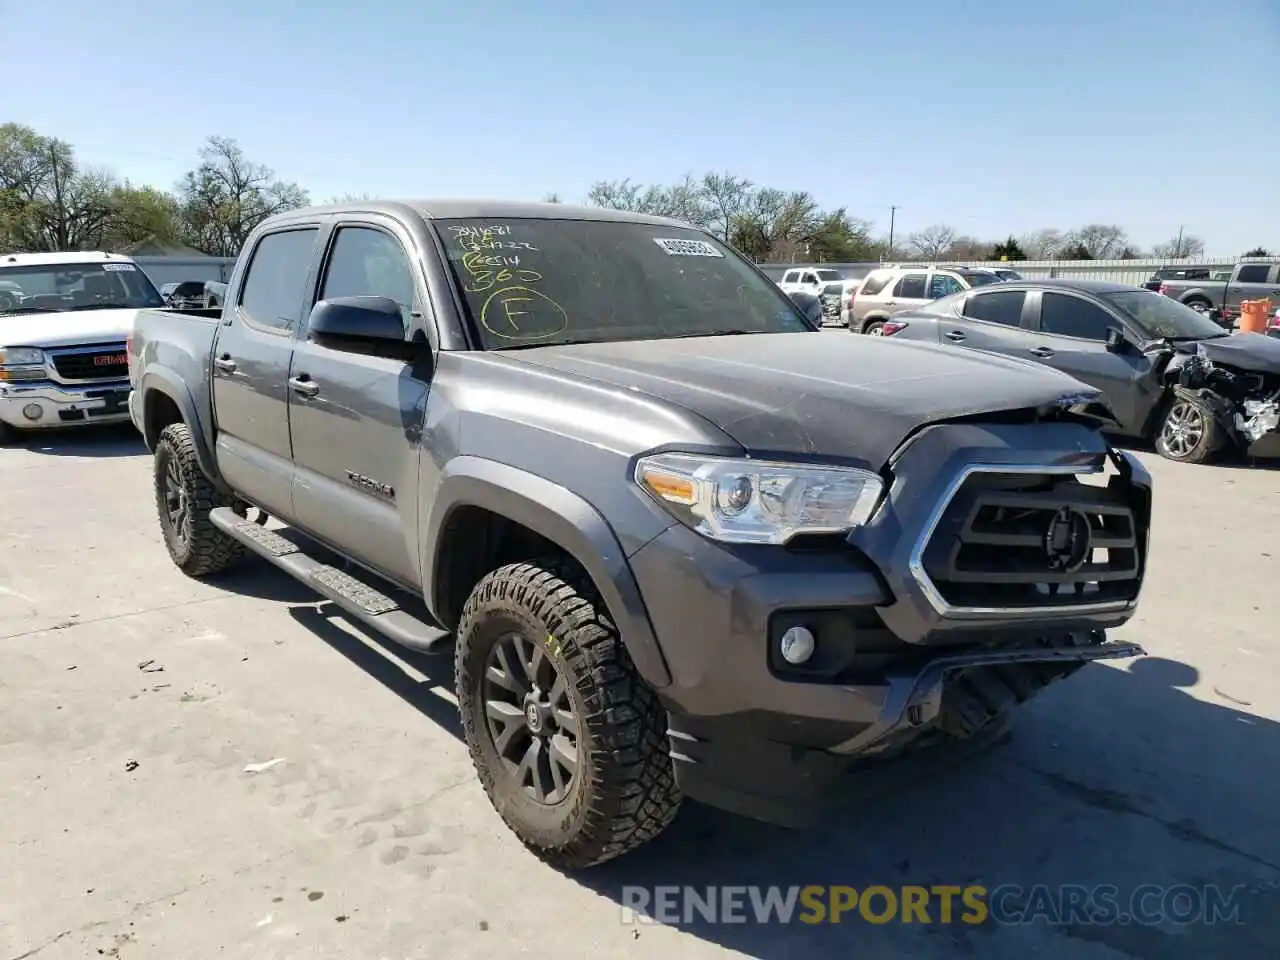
{"points": [[683, 542]]}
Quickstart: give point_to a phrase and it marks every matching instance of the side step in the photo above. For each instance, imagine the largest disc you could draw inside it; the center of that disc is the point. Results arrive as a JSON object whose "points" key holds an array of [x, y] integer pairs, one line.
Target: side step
{"points": [[356, 598]]}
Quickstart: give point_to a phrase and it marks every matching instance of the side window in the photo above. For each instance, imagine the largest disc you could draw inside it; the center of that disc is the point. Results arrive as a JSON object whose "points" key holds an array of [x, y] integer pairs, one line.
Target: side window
{"points": [[809, 278], [874, 284], [1068, 316], [1004, 307], [274, 285], [791, 276], [942, 285], [1253, 273], [911, 287], [369, 263]]}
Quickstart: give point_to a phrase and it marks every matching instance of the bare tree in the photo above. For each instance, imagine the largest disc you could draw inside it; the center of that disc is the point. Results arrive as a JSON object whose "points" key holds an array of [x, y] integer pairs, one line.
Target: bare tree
{"points": [[1184, 246], [965, 248], [552, 198], [1102, 241], [931, 243], [1043, 244], [227, 196], [728, 197]]}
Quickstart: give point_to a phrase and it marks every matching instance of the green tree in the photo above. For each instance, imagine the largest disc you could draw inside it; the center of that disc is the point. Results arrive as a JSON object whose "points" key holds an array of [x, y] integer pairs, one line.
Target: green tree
{"points": [[1008, 250], [1258, 252]]}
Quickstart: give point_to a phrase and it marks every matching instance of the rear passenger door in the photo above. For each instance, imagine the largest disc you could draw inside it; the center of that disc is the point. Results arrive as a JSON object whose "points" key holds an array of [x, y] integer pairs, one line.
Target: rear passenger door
{"points": [[356, 411], [251, 367], [1071, 335], [991, 319], [911, 291]]}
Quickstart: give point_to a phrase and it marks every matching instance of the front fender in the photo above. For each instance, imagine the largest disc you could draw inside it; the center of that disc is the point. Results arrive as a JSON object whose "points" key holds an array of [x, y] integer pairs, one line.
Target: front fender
{"points": [[157, 381], [566, 520]]}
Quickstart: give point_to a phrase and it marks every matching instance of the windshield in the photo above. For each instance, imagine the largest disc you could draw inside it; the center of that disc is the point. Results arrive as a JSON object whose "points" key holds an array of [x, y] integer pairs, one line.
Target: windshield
{"points": [[981, 278], [60, 287], [1159, 316], [539, 282]]}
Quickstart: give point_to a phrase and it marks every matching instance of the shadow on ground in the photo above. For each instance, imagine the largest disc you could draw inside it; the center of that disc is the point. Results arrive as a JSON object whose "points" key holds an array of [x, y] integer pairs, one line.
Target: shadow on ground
{"points": [[107, 440], [1117, 777]]}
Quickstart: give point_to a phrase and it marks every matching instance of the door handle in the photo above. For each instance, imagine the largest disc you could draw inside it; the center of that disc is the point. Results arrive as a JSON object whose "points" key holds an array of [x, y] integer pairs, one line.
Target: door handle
{"points": [[304, 386], [1042, 351], [225, 364], [955, 335]]}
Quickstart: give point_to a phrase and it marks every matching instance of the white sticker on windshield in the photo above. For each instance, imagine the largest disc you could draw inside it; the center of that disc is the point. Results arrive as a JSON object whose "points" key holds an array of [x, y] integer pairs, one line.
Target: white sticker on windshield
{"points": [[119, 266], [687, 248]]}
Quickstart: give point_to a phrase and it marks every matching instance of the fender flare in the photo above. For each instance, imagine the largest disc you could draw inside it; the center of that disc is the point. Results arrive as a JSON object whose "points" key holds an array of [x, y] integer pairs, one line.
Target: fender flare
{"points": [[164, 381], [566, 520]]}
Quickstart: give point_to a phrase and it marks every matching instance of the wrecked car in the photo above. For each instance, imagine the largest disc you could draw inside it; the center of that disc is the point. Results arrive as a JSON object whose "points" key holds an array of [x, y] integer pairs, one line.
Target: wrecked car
{"points": [[1171, 375]]}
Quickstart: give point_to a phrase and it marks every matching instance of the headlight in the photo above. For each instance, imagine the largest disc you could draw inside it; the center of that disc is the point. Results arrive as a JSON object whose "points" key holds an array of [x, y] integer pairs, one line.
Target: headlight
{"points": [[21, 363], [756, 501], [19, 356]]}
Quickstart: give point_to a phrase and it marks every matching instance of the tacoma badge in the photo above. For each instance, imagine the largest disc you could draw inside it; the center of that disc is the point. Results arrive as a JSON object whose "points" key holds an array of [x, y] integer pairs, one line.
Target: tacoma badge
{"points": [[373, 486]]}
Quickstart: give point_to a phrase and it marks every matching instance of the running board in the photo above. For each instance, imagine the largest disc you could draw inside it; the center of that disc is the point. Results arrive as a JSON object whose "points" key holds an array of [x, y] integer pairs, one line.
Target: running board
{"points": [[354, 597]]}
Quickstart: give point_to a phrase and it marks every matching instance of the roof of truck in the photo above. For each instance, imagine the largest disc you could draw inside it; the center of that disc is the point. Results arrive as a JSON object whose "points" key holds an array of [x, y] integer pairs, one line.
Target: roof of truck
{"points": [[53, 259], [480, 209]]}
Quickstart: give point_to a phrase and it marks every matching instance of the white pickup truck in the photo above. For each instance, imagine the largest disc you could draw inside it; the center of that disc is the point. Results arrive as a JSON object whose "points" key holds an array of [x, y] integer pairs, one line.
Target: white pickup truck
{"points": [[64, 322]]}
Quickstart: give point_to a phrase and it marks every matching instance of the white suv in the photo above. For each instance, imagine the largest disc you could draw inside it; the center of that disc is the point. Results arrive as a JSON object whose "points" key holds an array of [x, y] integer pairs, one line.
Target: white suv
{"points": [[890, 290], [808, 279]]}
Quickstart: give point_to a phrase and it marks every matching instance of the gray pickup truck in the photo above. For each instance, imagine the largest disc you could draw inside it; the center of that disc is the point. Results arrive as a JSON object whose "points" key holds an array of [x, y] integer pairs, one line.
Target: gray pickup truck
{"points": [[1220, 299], [683, 542]]}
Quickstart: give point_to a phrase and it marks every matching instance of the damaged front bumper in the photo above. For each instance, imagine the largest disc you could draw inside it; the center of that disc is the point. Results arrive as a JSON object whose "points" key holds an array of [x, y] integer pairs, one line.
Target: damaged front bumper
{"points": [[1253, 426]]}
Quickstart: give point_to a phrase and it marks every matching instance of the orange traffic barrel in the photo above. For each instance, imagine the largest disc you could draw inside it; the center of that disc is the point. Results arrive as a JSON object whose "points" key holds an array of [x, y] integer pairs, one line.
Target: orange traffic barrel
{"points": [[1253, 315]]}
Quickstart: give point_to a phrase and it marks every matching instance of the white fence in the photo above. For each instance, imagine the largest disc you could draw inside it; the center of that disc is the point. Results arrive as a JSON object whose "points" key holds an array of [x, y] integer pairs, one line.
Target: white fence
{"points": [[1117, 271]]}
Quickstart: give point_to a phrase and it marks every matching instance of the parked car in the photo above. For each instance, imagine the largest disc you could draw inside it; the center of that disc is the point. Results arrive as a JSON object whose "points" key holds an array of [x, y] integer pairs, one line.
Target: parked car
{"points": [[684, 542], [808, 279], [1179, 273], [64, 319], [834, 295], [1171, 375], [63, 322], [196, 294], [1219, 299], [890, 290], [1006, 273]]}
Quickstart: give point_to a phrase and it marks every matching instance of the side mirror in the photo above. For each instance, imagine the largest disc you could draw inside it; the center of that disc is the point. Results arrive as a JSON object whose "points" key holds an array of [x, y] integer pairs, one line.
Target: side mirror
{"points": [[356, 318], [1116, 342]]}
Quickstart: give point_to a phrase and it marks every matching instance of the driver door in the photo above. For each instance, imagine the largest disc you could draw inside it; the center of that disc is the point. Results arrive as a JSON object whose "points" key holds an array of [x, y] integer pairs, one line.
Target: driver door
{"points": [[1070, 334], [356, 413]]}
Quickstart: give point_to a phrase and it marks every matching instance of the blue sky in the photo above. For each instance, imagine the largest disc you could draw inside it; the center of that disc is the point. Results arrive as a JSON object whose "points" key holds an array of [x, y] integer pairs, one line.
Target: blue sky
{"points": [[995, 117]]}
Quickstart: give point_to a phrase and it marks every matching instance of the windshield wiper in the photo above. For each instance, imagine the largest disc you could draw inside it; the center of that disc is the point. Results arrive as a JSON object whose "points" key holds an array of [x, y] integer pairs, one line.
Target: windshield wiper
{"points": [[5, 313], [106, 306]]}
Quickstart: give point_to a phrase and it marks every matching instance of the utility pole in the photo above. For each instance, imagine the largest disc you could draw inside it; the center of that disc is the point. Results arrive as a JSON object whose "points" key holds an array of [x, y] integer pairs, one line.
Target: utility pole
{"points": [[893, 211]]}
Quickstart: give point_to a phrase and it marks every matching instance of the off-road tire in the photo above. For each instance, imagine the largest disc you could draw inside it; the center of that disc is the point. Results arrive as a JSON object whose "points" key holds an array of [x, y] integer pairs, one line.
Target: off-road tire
{"points": [[200, 548], [1210, 439], [624, 793]]}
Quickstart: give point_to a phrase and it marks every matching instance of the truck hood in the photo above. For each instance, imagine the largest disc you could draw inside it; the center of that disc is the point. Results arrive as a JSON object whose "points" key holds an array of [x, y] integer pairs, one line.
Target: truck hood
{"points": [[845, 396], [1254, 352], [65, 329]]}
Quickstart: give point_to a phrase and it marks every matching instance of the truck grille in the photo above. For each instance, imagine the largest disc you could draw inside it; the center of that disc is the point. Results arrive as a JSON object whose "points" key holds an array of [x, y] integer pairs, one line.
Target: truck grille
{"points": [[1015, 542], [106, 362]]}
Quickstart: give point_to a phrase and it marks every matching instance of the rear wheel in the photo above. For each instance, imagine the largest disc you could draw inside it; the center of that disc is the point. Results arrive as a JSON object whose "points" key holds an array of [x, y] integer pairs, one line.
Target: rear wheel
{"points": [[874, 329], [1187, 432], [184, 499], [567, 740]]}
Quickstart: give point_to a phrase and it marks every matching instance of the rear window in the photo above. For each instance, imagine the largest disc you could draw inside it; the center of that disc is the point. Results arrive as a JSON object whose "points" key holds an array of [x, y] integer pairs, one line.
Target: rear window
{"points": [[980, 278], [540, 282], [874, 284], [191, 288], [825, 275]]}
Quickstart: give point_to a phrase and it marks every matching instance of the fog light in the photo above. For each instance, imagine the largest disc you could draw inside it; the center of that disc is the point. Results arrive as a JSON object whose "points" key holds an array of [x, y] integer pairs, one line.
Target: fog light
{"points": [[32, 411], [796, 645]]}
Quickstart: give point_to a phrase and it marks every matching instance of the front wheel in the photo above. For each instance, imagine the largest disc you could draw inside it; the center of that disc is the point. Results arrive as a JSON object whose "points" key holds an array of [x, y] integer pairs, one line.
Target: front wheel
{"points": [[1187, 432], [184, 499], [568, 741]]}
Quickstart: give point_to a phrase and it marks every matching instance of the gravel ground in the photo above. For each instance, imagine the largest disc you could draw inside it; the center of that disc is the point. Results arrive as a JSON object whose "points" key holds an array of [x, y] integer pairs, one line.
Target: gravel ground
{"points": [[134, 702]]}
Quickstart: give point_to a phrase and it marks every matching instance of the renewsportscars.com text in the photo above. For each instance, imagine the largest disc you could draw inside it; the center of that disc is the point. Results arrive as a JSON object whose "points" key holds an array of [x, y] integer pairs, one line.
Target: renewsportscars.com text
{"points": [[1007, 904]]}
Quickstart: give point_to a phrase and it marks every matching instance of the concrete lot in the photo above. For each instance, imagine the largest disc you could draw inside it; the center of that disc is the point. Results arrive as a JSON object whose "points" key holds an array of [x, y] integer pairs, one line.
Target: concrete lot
{"points": [[132, 700]]}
